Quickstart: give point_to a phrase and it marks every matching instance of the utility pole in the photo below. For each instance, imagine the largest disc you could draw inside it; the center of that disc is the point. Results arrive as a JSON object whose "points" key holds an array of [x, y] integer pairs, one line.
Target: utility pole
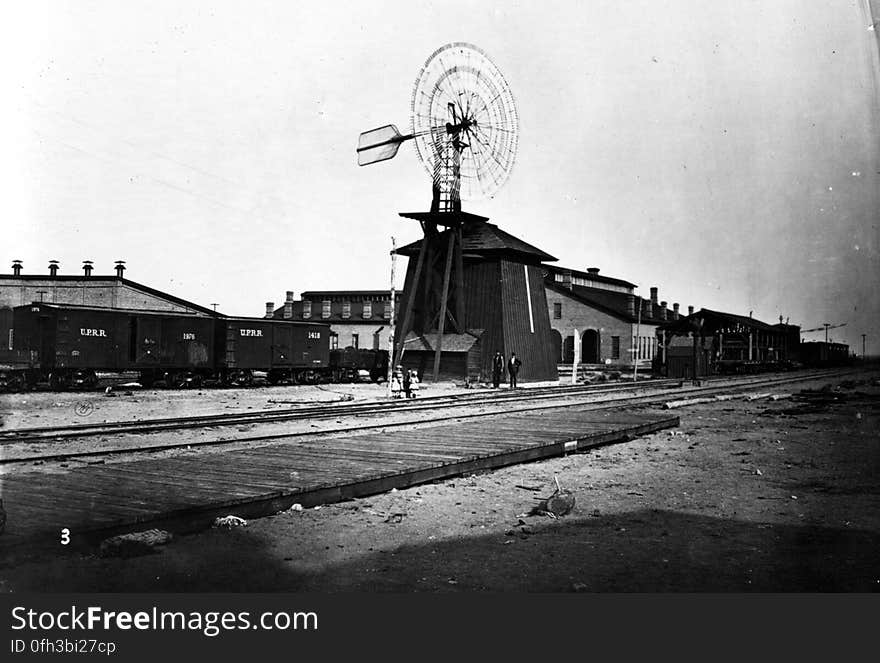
{"points": [[827, 325], [635, 353], [863, 346], [391, 338]]}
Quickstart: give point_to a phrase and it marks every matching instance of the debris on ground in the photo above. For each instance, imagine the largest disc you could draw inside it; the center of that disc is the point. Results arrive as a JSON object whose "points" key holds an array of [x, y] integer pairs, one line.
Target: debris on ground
{"points": [[230, 521], [134, 544], [558, 504], [670, 405], [395, 518]]}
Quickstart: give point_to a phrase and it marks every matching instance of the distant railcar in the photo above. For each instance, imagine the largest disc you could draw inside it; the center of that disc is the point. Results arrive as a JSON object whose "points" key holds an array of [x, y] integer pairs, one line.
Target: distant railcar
{"points": [[296, 352], [346, 364], [819, 353]]}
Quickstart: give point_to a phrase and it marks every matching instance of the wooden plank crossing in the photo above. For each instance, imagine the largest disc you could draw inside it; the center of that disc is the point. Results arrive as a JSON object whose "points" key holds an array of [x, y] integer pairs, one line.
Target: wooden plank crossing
{"points": [[188, 491]]}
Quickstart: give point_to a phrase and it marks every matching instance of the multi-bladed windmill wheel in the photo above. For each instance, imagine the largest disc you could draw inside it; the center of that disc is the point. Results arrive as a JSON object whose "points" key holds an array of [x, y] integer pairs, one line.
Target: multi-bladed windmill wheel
{"points": [[464, 124], [461, 101]]}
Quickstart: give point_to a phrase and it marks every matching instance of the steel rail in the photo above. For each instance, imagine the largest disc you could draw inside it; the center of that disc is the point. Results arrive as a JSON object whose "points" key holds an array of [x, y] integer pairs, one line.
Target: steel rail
{"points": [[614, 403], [145, 426]]}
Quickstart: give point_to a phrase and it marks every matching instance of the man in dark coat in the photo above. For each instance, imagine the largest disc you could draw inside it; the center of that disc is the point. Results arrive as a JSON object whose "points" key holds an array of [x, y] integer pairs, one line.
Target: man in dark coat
{"points": [[407, 383], [497, 369], [513, 368]]}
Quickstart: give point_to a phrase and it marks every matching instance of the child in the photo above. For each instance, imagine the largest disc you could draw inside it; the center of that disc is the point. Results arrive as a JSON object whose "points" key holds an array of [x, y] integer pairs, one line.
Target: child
{"points": [[396, 383], [414, 384]]}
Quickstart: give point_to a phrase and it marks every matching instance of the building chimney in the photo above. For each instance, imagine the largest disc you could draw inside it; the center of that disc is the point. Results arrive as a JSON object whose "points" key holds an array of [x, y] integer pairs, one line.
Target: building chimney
{"points": [[631, 304], [566, 279], [655, 308], [87, 267], [663, 312], [53, 268], [270, 309], [288, 305], [16, 269], [690, 310], [120, 267], [675, 311]]}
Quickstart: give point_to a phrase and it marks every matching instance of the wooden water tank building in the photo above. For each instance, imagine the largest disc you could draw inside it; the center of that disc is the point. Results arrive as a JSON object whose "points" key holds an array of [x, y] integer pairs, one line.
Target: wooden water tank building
{"points": [[498, 305]]}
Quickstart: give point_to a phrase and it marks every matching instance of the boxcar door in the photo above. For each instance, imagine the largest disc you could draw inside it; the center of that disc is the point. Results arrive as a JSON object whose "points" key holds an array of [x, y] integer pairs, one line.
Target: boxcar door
{"points": [[148, 340], [282, 345]]}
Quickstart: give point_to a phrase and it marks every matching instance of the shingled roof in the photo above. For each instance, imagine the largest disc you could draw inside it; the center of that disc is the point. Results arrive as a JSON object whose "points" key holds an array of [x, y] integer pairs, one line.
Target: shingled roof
{"points": [[486, 239], [451, 342], [610, 302]]}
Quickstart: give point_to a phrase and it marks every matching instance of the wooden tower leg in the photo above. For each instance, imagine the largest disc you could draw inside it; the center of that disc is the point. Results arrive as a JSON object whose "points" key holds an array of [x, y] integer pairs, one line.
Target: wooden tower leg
{"points": [[442, 322], [459, 284], [410, 299]]}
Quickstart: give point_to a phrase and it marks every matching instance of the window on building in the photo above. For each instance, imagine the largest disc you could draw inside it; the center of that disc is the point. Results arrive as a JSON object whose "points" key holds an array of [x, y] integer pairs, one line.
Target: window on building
{"points": [[615, 347], [325, 308], [557, 310], [334, 341], [354, 341], [368, 309], [346, 310], [307, 308], [387, 313]]}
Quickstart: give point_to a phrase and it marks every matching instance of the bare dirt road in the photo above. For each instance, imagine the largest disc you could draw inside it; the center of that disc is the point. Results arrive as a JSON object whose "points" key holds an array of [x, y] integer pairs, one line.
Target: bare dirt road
{"points": [[744, 496]]}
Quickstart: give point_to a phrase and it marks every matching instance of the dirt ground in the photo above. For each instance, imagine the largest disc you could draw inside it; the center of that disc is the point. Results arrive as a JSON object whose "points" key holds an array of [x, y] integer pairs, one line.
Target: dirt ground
{"points": [[745, 496]]}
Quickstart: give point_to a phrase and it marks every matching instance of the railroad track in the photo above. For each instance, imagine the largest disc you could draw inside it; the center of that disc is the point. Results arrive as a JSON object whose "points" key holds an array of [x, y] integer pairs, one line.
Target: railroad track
{"points": [[325, 411], [526, 403]]}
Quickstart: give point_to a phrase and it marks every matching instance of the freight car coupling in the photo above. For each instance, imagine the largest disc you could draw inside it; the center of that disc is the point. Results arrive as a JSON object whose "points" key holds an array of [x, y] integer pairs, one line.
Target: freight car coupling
{"points": [[69, 347]]}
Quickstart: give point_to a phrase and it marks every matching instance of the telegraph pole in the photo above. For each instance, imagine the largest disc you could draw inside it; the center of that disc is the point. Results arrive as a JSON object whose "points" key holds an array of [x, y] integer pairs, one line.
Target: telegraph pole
{"points": [[827, 325], [391, 335], [636, 343]]}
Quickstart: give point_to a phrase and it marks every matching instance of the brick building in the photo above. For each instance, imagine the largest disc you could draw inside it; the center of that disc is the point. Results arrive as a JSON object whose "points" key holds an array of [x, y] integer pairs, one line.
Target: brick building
{"points": [[601, 315], [357, 318], [86, 289]]}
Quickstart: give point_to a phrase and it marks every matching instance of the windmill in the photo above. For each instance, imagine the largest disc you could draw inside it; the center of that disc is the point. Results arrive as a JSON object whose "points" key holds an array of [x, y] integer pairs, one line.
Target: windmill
{"points": [[464, 125]]}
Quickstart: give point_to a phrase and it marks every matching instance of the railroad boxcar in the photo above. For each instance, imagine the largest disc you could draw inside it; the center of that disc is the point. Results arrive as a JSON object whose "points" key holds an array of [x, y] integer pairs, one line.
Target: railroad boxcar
{"points": [[68, 345], [297, 352]]}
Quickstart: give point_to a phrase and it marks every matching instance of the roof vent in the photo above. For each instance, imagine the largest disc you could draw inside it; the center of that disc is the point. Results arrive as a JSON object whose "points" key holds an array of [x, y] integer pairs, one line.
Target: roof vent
{"points": [[120, 267], [16, 268], [53, 268], [592, 270], [87, 267]]}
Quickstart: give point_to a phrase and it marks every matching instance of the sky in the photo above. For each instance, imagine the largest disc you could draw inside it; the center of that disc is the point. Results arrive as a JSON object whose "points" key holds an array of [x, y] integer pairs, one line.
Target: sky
{"points": [[727, 153]]}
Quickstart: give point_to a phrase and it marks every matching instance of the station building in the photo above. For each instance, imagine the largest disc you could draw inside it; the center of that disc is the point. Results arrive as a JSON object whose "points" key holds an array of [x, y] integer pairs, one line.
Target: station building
{"points": [[600, 319], [88, 289]]}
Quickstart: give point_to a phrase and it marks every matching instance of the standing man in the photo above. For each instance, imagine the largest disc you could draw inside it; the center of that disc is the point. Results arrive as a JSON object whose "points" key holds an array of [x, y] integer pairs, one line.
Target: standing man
{"points": [[407, 383], [497, 369], [513, 368]]}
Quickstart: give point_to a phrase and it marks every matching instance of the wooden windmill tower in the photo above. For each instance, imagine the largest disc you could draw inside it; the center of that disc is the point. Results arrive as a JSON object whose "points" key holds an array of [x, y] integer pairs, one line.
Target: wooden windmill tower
{"points": [[464, 298]]}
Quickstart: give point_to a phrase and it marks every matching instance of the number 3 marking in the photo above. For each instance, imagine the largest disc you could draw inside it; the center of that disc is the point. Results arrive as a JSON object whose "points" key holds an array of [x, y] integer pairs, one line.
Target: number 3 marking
{"points": [[65, 536]]}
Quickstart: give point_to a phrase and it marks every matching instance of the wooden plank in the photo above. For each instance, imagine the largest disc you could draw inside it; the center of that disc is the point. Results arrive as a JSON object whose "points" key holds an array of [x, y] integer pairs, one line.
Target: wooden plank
{"points": [[252, 481]]}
